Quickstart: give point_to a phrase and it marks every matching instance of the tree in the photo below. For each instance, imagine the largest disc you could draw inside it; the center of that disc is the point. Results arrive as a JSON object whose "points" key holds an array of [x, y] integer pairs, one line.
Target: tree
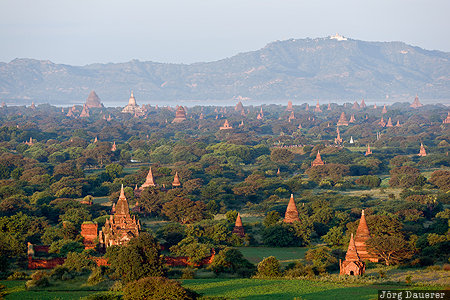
{"points": [[271, 218], [114, 170], [441, 178], [282, 155], [392, 249], [269, 267], [369, 181], [405, 177], [332, 172], [140, 258], [334, 237], [231, 260], [280, 235], [78, 262], [156, 288], [193, 249], [321, 257], [185, 211]]}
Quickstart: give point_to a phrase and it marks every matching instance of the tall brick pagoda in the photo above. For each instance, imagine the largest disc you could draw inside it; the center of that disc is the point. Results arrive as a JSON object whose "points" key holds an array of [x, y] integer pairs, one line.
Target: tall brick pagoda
{"points": [[384, 111], [238, 227], [317, 108], [289, 106], [291, 212], [355, 105], [361, 237], [132, 107], [389, 123], [368, 151], [447, 120], [149, 181], [363, 104], [120, 227]]}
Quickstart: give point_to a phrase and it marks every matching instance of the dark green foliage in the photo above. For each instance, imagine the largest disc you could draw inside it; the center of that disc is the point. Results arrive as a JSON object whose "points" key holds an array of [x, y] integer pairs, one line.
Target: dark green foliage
{"points": [[140, 258], [369, 181], [280, 235], [156, 288], [269, 267], [231, 260]]}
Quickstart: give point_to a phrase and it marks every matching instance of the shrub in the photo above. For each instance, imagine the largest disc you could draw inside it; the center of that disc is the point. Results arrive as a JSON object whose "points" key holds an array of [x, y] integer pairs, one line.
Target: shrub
{"points": [[19, 275], [38, 279], [188, 273], [269, 267], [156, 288]]}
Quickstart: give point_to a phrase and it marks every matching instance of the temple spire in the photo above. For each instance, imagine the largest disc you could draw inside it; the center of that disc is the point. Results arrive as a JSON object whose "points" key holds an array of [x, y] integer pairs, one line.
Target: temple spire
{"points": [[291, 211], [352, 254]]}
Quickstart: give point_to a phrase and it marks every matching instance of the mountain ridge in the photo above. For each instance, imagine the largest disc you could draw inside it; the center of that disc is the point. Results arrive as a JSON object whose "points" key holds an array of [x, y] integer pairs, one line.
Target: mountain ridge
{"points": [[297, 69]]}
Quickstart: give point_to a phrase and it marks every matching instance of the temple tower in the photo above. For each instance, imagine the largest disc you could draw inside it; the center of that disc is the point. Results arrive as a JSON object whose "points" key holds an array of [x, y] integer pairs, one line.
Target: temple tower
{"points": [[176, 181], [318, 161], [289, 106], [225, 126], [384, 111], [93, 101], [416, 103], [180, 115], [317, 108], [422, 151], [355, 105], [148, 180], [447, 120], [361, 237], [363, 104], [352, 265], [368, 151], [291, 211], [389, 123], [342, 120], [238, 227]]}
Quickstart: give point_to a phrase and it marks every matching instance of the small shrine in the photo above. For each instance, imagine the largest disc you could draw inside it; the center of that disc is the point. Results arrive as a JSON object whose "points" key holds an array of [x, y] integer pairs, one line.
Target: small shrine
{"points": [[352, 119], [389, 123], [226, 126], [352, 265], [368, 151], [176, 181]]}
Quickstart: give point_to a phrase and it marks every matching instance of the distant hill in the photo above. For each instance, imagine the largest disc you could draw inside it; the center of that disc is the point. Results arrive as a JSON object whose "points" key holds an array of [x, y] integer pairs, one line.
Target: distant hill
{"points": [[300, 69]]}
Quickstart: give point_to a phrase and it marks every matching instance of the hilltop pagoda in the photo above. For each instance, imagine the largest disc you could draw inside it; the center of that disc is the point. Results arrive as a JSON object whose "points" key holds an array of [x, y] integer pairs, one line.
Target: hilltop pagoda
{"points": [[422, 151], [363, 104], [132, 107], [291, 211], [225, 126], [389, 123], [120, 227], [355, 105], [361, 237], [352, 265], [239, 107], [238, 227], [93, 101], [317, 108], [318, 161], [180, 115], [289, 106], [84, 112], [384, 111], [342, 120], [447, 120], [416, 103]]}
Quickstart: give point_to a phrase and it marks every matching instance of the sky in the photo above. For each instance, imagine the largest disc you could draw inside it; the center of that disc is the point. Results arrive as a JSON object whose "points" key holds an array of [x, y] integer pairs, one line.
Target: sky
{"points": [[80, 32]]}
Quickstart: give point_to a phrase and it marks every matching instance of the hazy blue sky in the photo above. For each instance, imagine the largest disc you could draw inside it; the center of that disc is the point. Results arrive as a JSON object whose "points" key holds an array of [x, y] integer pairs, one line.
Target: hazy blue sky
{"points": [[185, 31]]}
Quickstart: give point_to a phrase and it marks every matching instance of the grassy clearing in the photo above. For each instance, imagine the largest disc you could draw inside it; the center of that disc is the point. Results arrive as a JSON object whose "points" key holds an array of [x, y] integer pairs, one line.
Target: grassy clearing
{"points": [[71, 289], [284, 255], [279, 289]]}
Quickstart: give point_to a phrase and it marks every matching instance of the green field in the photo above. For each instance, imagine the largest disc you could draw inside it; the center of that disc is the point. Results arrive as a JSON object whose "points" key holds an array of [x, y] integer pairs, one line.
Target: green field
{"points": [[284, 255], [281, 289]]}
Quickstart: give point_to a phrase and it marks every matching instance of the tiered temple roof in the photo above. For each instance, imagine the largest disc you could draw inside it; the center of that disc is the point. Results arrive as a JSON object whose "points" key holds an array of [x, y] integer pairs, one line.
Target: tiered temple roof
{"points": [[180, 115], [416, 103], [120, 227], [149, 181], [318, 161], [289, 106], [422, 151], [317, 108], [132, 107], [342, 120], [291, 211]]}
